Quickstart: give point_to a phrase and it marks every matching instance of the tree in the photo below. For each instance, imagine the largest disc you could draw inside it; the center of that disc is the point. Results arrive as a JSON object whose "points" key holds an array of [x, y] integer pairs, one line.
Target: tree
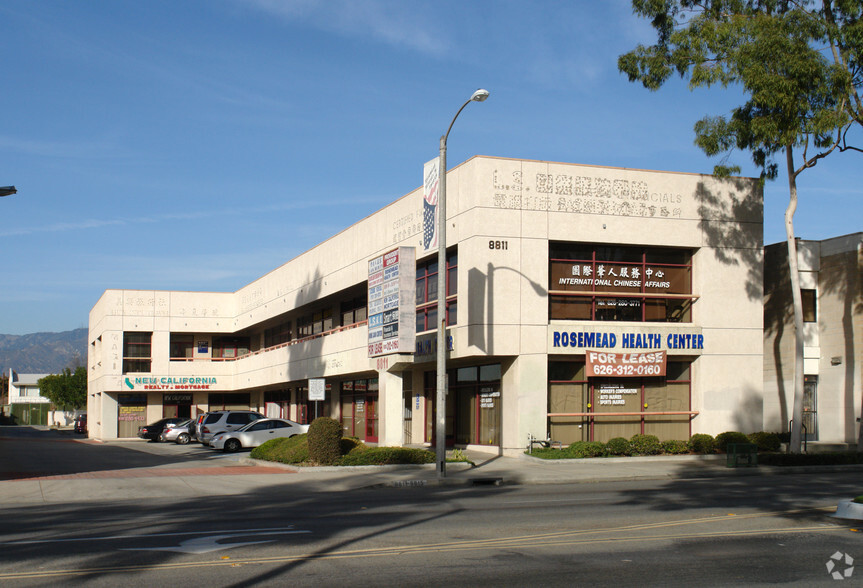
{"points": [[798, 63], [66, 390]]}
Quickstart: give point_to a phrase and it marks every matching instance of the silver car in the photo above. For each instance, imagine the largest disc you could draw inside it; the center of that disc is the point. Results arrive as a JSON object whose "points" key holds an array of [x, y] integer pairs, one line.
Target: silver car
{"points": [[178, 433], [257, 433]]}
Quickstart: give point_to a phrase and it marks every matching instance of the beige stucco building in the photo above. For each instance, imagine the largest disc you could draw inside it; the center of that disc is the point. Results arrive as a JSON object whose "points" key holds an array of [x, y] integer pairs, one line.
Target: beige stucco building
{"points": [[659, 273], [831, 283]]}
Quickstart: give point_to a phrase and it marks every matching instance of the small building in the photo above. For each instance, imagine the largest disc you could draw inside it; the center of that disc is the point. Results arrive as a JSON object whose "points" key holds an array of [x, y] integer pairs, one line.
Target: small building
{"points": [[582, 303], [831, 284], [26, 404]]}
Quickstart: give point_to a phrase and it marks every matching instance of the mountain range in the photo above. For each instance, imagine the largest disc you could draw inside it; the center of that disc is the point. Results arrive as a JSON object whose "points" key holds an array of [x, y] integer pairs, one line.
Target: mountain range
{"points": [[43, 353]]}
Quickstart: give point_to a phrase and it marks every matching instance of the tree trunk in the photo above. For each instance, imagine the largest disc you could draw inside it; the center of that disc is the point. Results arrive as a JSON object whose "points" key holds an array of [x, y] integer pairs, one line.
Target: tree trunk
{"points": [[797, 301]]}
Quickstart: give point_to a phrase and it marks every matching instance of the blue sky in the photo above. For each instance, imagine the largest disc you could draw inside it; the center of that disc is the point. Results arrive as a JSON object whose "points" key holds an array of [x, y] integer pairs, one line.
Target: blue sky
{"points": [[197, 145]]}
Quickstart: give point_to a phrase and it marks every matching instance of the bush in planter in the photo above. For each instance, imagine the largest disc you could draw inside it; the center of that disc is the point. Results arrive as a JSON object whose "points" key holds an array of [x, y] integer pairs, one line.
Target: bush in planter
{"points": [[702, 443], [618, 446], [675, 446], [645, 445], [387, 455], [765, 441], [723, 439], [293, 450], [586, 449], [325, 436]]}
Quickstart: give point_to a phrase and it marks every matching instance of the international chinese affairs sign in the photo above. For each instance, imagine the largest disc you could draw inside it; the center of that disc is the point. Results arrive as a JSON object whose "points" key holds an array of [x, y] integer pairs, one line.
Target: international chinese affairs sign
{"points": [[392, 302]]}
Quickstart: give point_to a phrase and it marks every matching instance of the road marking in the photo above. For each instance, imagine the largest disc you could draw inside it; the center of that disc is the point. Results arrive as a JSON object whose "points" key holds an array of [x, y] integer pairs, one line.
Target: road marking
{"points": [[525, 542], [270, 531], [200, 545]]}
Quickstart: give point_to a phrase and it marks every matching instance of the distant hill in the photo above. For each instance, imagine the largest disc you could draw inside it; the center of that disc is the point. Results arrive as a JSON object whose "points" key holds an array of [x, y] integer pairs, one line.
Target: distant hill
{"points": [[43, 353]]}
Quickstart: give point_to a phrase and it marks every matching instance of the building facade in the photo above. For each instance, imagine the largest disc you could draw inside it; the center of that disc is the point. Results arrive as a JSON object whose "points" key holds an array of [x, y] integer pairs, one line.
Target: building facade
{"points": [[583, 303], [27, 406], [831, 284]]}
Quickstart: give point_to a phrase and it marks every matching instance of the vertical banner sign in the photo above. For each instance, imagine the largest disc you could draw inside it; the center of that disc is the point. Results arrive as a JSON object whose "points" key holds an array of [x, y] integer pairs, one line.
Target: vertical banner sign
{"points": [[431, 183], [392, 302]]}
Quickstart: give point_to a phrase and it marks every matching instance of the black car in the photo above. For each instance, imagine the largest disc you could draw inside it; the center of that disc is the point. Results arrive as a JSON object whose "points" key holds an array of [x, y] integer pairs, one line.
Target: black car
{"points": [[153, 431]]}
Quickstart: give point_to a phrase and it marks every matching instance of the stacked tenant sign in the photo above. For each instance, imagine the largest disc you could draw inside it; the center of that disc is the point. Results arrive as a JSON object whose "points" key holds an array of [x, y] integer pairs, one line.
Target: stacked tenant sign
{"points": [[392, 302]]}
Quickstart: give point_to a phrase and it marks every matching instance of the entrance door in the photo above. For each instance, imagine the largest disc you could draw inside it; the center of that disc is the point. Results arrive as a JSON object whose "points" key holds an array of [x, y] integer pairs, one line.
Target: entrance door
{"points": [[810, 407]]}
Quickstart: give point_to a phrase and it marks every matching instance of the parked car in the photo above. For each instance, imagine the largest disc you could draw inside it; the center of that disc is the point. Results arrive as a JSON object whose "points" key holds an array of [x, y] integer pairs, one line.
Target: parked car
{"points": [[195, 426], [179, 433], [224, 421], [153, 431], [256, 433], [81, 424]]}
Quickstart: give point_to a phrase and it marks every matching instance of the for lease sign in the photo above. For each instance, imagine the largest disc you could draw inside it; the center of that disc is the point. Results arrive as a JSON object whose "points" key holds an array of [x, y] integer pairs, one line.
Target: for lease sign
{"points": [[625, 365]]}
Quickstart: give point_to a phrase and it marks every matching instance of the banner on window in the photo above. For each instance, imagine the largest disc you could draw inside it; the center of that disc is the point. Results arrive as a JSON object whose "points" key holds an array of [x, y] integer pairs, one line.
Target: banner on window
{"points": [[625, 365]]}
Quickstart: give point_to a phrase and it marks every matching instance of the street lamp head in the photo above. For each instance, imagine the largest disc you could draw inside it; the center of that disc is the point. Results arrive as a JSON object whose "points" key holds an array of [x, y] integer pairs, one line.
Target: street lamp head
{"points": [[8, 190], [480, 95]]}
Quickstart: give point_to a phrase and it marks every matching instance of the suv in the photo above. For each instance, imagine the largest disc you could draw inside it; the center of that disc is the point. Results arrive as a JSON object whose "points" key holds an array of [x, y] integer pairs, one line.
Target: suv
{"points": [[221, 421]]}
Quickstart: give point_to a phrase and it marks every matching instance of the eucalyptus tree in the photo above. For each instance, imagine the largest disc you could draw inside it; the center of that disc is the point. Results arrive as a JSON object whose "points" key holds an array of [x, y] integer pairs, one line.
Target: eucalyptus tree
{"points": [[798, 65]]}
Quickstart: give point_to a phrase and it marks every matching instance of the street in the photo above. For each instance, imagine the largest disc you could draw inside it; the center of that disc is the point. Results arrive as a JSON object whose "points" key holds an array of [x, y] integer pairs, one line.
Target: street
{"points": [[730, 531]]}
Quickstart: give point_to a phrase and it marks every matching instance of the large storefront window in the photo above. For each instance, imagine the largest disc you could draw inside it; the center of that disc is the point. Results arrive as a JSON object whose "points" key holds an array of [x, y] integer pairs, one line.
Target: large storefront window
{"points": [[131, 414], [137, 349], [177, 405], [617, 283], [359, 400], [599, 409], [277, 335], [277, 404], [229, 401], [309, 410], [427, 276], [472, 405]]}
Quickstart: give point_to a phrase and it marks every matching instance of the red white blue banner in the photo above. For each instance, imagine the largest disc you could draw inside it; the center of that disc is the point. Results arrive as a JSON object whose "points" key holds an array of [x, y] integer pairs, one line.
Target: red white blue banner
{"points": [[431, 187]]}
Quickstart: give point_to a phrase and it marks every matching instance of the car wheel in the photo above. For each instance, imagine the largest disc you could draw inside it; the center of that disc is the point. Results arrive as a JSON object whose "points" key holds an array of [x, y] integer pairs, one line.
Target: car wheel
{"points": [[232, 446], [183, 439]]}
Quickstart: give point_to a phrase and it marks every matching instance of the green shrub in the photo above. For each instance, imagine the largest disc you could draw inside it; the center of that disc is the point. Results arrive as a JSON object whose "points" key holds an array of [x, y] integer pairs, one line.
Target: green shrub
{"points": [[806, 459], [549, 453], [618, 446], [858, 500], [675, 447], [349, 444], [294, 450], [723, 439], [702, 443], [325, 435], [581, 449], [765, 441], [387, 455], [645, 445]]}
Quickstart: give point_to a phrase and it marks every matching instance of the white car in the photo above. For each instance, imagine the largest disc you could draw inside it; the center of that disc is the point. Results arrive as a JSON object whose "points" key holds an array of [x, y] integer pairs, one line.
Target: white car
{"points": [[257, 433]]}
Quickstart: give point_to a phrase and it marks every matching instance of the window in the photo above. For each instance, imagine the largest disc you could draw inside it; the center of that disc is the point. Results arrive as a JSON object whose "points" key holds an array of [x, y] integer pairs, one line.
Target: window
{"points": [[230, 347], [617, 283], [809, 307], [354, 311], [137, 352], [427, 276], [277, 335], [182, 346], [315, 323]]}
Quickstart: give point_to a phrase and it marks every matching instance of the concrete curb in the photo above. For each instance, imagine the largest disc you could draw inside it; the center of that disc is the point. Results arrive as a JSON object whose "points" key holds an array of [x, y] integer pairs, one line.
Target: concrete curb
{"points": [[848, 509]]}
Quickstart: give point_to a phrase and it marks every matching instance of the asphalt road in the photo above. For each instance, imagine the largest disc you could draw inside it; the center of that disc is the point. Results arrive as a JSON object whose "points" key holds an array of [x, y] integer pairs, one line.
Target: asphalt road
{"points": [[743, 531]]}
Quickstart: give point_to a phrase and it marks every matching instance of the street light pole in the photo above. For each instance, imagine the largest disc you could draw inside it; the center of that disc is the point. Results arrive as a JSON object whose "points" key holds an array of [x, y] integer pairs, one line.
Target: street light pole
{"points": [[440, 426]]}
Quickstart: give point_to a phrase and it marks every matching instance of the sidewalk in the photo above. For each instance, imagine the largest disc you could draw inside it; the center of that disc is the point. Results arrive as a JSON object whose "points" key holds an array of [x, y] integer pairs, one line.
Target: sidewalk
{"points": [[241, 475]]}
